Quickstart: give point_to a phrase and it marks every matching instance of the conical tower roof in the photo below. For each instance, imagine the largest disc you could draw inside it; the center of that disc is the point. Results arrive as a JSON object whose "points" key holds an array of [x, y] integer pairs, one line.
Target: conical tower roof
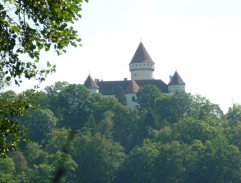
{"points": [[176, 80], [132, 87], [141, 55], [90, 83]]}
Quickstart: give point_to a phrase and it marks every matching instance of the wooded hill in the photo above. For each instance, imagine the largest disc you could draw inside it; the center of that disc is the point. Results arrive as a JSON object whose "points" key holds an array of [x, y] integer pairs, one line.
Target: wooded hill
{"points": [[80, 137]]}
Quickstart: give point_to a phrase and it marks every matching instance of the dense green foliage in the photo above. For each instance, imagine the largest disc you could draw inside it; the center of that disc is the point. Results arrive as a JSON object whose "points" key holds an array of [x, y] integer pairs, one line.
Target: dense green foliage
{"points": [[82, 137], [27, 29]]}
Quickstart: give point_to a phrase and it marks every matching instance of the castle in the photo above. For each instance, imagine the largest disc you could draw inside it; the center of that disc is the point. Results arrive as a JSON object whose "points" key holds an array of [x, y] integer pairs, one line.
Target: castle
{"points": [[141, 68]]}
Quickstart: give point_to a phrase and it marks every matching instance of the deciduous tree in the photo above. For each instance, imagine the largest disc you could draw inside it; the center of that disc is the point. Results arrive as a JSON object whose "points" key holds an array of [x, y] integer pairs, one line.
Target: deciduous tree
{"points": [[28, 28]]}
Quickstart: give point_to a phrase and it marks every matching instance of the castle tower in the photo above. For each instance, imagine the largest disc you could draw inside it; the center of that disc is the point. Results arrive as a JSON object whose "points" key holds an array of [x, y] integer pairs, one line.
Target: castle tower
{"points": [[91, 85], [130, 92], [176, 84], [141, 65]]}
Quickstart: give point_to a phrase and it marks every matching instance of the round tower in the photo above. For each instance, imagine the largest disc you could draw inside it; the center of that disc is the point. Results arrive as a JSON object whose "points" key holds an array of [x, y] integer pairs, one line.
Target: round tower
{"points": [[141, 65], [91, 85], [176, 84]]}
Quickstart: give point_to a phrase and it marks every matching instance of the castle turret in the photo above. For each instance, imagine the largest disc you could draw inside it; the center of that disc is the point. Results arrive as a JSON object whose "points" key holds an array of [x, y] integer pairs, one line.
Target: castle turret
{"points": [[130, 92], [91, 85], [176, 84], [141, 65]]}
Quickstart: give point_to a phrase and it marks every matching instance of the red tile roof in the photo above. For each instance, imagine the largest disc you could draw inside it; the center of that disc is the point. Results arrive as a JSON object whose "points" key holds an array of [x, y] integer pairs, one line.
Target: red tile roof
{"points": [[132, 87], [111, 87], [90, 83], [141, 55], [176, 80]]}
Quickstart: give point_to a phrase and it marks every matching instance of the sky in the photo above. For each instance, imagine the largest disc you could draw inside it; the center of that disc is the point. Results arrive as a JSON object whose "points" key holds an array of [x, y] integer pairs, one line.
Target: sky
{"points": [[201, 39]]}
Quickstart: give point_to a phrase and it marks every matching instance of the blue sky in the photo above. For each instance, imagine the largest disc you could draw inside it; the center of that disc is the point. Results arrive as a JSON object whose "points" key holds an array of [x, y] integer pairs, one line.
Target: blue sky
{"points": [[199, 38]]}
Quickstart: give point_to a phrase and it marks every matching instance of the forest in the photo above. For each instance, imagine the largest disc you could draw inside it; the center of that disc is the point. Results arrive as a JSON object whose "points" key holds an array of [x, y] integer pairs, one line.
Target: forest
{"points": [[74, 136], [65, 134]]}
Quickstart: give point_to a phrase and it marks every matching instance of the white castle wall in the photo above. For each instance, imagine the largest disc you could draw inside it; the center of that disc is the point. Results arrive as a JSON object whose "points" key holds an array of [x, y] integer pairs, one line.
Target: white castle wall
{"points": [[130, 99], [93, 90], [142, 71], [174, 88]]}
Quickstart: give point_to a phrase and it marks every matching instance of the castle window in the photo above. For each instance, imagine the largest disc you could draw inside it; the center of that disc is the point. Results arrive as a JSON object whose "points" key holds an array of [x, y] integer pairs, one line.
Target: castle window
{"points": [[133, 98]]}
